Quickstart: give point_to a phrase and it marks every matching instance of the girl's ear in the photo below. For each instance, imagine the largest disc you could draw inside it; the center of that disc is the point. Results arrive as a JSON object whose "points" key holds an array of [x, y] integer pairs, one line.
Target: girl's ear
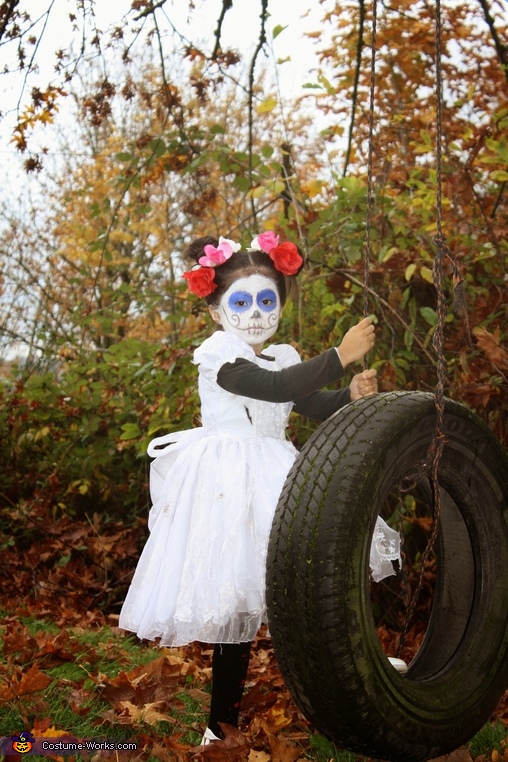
{"points": [[214, 313]]}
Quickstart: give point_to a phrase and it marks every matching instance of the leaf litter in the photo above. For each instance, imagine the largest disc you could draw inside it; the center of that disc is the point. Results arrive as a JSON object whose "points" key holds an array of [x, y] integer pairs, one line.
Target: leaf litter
{"points": [[58, 640]]}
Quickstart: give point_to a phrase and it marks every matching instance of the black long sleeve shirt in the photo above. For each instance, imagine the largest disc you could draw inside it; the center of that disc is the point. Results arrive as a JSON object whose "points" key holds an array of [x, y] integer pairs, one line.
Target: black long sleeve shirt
{"points": [[300, 383]]}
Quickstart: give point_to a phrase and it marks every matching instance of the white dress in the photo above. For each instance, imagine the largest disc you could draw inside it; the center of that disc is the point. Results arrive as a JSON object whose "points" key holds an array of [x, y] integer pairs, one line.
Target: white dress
{"points": [[214, 490]]}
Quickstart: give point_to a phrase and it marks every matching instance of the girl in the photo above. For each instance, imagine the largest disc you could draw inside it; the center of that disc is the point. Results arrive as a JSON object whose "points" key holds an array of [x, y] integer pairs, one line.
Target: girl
{"points": [[214, 489]]}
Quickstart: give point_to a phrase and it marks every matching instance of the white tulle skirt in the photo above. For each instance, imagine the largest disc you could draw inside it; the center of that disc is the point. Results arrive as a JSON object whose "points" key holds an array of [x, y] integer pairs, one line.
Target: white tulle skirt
{"points": [[201, 575]]}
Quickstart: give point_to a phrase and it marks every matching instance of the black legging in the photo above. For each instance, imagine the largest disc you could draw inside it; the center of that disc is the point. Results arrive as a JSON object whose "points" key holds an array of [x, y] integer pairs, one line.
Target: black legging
{"points": [[229, 669]]}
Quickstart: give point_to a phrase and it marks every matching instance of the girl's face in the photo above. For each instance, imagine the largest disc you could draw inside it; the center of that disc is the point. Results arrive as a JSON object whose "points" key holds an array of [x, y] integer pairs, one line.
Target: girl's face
{"points": [[250, 308]]}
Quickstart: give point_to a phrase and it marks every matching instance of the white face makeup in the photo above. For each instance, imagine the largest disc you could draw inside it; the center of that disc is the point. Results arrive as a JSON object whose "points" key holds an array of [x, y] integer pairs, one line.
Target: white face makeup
{"points": [[250, 308]]}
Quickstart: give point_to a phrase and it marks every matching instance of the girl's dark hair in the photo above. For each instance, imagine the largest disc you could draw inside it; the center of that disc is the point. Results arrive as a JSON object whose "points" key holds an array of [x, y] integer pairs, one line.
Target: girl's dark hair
{"points": [[240, 265]]}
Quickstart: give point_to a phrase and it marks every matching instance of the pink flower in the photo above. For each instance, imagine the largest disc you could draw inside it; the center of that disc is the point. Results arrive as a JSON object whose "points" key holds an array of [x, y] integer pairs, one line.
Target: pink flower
{"points": [[266, 241], [217, 256]]}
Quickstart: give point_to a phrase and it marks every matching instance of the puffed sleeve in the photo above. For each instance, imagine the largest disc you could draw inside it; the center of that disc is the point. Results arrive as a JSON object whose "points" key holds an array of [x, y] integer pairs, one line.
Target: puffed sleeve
{"points": [[220, 348]]}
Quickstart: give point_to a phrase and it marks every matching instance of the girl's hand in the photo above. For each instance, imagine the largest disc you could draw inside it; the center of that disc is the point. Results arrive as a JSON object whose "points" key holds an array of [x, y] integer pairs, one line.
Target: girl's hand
{"points": [[357, 342], [363, 385]]}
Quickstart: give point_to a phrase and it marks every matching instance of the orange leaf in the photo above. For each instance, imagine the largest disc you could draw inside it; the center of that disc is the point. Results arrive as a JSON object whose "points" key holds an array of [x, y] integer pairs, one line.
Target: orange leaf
{"points": [[32, 681], [283, 750], [52, 732]]}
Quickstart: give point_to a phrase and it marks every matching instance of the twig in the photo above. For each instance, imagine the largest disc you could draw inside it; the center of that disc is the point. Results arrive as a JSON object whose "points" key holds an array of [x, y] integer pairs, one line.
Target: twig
{"points": [[226, 6]]}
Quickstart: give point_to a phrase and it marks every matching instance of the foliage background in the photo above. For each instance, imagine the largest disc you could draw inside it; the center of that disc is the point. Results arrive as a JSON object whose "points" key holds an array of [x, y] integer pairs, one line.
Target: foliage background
{"points": [[161, 140]]}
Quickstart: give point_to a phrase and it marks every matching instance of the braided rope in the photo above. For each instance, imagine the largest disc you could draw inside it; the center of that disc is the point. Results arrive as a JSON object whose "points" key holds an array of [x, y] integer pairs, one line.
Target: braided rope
{"points": [[439, 439], [370, 161]]}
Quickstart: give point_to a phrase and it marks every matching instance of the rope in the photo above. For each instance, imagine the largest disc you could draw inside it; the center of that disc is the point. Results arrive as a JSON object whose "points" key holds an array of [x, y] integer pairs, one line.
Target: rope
{"points": [[439, 439], [370, 182], [430, 467], [370, 161]]}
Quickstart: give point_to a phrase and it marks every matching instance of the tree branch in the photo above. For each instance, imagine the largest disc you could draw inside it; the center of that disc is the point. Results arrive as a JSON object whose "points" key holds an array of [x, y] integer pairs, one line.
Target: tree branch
{"points": [[359, 48], [150, 10], [259, 47], [226, 6], [6, 13], [501, 47]]}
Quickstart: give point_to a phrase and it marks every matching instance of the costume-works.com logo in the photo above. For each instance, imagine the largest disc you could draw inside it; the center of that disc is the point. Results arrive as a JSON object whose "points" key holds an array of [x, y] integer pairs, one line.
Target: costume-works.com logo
{"points": [[23, 743]]}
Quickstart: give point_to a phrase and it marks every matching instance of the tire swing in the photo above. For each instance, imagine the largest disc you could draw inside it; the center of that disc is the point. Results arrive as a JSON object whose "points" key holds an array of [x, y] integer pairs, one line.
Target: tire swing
{"points": [[319, 606], [385, 455]]}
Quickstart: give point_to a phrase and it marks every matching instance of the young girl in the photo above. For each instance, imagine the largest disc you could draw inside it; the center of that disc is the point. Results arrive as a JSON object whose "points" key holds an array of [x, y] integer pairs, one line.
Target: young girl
{"points": [[214, 489]]}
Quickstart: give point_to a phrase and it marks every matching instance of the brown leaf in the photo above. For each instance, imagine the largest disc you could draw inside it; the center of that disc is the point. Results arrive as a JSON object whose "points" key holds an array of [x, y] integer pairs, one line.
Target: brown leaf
{"points": [[234, 747], [146, 683], [32, 681], [180, 751], [17, 640], [490, 345], [459, 755], [283, 750], [148, 713], [162, 754], [259, 697]]}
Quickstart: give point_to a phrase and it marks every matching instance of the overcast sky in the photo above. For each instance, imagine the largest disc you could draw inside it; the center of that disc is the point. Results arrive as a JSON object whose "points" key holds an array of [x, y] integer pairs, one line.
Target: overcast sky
{"points": [[240, 30]]}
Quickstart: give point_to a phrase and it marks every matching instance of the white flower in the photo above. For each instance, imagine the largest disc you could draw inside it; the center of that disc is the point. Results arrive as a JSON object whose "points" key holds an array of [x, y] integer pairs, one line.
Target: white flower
{"points": [[234, 246]]}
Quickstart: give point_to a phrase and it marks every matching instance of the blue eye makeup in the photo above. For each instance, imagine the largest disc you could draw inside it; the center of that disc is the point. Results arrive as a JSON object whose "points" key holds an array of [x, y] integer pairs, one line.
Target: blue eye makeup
{"points": [[267, 300], [240, 301]]}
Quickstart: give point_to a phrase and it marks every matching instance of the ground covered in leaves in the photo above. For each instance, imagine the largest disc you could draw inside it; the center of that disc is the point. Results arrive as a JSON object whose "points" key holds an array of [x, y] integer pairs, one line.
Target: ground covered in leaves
{"points": [[69, 673]]}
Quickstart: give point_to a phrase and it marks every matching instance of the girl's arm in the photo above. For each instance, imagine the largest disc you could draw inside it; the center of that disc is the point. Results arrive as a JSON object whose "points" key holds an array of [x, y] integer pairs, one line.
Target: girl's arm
{"points": [[321, 405], [287, 385]]}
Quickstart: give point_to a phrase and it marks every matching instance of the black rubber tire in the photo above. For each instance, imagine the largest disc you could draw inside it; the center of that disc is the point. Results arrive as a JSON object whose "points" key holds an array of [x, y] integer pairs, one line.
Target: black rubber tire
{"points": [[319, 607]]}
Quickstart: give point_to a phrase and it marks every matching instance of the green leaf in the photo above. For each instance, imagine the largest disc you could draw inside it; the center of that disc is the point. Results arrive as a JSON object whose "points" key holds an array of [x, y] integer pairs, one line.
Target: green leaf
{"points": [[410, 270], [158, 146], [267, 105], [277, 30], [257, 192], [330, 89], [129, 431], [499, 175], [426, 274], [429, 315], [408, 339], [386, 253], [242, 183], [277, 186]]}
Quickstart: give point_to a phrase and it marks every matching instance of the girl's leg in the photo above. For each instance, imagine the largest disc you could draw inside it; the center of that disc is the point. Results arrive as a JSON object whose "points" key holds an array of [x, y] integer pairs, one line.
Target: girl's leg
{"points": [[229, 670]]}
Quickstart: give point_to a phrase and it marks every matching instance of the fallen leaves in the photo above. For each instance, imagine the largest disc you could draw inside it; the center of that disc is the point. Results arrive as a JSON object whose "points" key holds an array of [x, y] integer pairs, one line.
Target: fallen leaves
{"points": [[459, 755], [162, 703], [21, 684]]}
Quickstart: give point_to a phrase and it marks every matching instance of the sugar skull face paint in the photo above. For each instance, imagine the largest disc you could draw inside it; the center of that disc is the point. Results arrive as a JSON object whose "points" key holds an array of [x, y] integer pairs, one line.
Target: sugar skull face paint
{"points": [[250, 308]]}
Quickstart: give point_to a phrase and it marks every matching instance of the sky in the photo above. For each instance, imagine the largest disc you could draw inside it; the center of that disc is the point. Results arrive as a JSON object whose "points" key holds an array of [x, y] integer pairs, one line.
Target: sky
{"points": [[240, 30]]}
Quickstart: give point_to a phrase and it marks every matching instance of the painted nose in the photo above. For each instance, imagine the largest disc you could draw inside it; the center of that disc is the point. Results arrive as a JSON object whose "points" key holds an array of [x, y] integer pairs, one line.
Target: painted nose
{"points": [[256, 314]]}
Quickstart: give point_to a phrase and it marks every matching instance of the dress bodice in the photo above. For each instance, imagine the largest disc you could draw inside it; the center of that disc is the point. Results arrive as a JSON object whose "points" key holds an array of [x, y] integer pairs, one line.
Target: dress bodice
{"points": [[224, 413]]}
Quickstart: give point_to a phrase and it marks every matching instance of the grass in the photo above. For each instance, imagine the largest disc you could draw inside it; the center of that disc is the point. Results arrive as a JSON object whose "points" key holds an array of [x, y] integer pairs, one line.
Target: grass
{"points": [[492, 737]]}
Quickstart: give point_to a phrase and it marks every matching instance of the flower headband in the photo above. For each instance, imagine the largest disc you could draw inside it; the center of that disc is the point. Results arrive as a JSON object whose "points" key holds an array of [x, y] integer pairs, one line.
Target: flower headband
{"points": [[285, 258]]}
